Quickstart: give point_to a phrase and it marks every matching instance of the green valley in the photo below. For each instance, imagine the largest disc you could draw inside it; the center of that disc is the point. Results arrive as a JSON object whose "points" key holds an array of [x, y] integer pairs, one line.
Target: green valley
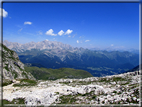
{"points": [[53, 74]]}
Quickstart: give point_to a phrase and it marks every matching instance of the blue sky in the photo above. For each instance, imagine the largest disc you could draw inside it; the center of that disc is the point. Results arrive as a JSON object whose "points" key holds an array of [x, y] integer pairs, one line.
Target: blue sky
{"points": [[88, 25]]}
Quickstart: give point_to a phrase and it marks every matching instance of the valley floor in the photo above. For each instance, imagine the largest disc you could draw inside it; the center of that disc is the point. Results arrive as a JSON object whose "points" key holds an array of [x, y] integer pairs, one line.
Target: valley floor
{"points": [[116, 89]]}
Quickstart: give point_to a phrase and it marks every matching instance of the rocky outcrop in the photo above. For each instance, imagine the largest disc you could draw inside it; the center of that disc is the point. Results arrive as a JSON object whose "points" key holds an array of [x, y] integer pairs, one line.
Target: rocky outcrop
{"points": [[13, 68], [116, 89]]}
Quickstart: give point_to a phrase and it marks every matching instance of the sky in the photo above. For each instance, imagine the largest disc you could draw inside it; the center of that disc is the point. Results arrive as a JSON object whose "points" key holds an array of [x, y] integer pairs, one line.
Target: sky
{"points": [[87, 25]]}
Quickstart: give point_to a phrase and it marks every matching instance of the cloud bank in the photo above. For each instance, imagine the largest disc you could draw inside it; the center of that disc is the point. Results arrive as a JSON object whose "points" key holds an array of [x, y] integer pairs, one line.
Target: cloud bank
{"points": [[60, 33]]}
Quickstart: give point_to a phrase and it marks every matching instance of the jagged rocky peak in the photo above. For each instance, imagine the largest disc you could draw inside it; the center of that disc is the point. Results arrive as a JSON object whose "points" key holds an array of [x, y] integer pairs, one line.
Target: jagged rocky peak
{"points": [[46, 44], [13, 68]]}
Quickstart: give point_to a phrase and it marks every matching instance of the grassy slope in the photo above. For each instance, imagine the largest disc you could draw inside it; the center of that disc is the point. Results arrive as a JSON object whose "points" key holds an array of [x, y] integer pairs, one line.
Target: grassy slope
{"points": [[45, 74]]}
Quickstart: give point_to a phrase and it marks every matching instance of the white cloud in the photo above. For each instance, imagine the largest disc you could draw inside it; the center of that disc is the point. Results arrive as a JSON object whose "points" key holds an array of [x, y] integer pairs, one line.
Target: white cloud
{"points": [[87, 40], [69, 36], [61, 32], [77, 41], [50, 32], [5, 13], [68, 32], [112, 45], [27, 23]]}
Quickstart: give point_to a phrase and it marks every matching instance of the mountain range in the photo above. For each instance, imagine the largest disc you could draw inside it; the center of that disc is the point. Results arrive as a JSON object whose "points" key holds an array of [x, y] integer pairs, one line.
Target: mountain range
{"points": [[39, 45], [52, 54], [33, 86]]}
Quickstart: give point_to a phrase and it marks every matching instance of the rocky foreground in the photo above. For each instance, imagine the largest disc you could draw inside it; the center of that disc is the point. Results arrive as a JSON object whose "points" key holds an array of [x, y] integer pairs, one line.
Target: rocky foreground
{"points": [[116, 89]]}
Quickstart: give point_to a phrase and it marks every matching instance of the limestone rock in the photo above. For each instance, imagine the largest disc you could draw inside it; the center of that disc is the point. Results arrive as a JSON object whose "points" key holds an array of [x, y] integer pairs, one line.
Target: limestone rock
{"points": [[13, 68]]}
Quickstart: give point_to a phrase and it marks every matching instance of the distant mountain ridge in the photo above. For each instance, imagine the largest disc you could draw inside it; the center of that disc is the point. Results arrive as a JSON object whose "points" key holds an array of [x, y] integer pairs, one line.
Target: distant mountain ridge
{"points": [[36, 45], [58, 55]]}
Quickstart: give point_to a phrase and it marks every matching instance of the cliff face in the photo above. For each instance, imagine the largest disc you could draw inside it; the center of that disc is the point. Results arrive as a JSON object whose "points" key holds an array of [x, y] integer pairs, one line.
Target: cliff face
{"points": [[13, 68]]}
